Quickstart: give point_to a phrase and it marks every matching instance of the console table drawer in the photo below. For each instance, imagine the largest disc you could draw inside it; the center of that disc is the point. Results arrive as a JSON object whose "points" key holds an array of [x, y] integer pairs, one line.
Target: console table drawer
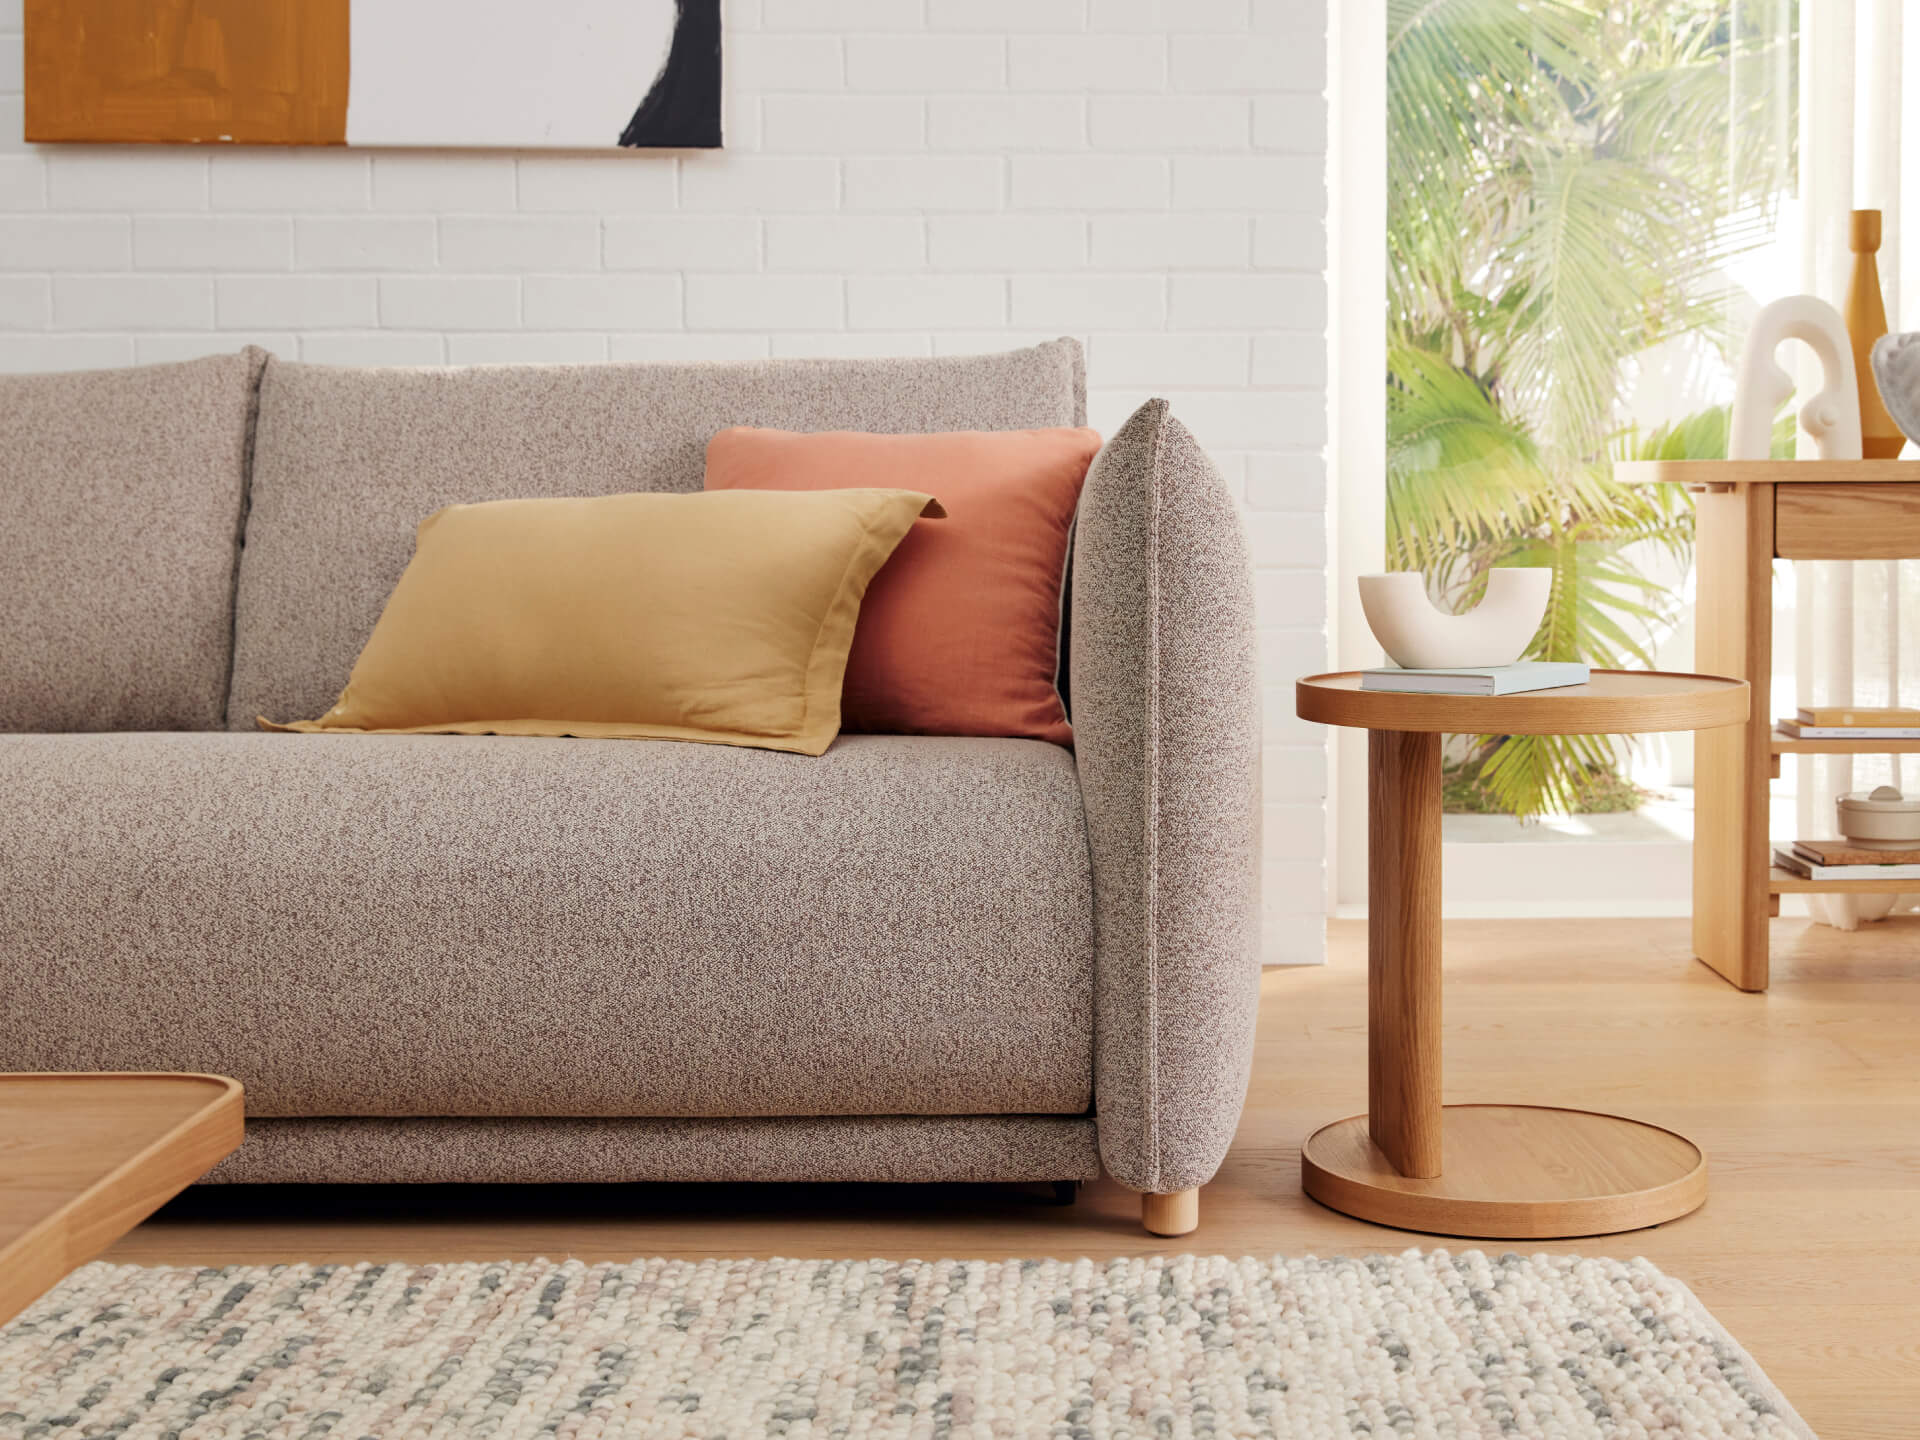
{"points": [[1847, 522]]}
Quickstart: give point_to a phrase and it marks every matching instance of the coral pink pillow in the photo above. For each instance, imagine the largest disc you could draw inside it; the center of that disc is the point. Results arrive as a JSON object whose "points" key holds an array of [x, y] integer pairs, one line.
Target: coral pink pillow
{"points": [[960, 631]]}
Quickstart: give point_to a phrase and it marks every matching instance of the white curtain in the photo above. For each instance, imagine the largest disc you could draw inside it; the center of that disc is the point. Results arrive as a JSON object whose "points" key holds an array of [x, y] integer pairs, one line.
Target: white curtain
{"points": [[1850, 618]]}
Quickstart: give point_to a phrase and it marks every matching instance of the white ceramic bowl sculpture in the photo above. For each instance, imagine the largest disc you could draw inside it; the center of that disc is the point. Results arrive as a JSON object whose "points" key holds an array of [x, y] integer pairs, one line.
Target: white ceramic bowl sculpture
{"points": [[1497, 631]]}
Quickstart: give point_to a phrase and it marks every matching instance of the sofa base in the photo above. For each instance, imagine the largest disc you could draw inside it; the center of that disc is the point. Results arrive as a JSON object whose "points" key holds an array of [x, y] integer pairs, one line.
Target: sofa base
{"points": [[507, 1151]]}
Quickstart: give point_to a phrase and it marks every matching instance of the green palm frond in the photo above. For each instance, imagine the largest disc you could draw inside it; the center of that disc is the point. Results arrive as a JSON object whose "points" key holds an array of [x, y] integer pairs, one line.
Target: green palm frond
{"points": [[1699, 436], [1538, 774], [1452, 65], [1458, 72], [1457, 468], [1588, 255], [1726, 74], [1593, 593], [1597, 595]]}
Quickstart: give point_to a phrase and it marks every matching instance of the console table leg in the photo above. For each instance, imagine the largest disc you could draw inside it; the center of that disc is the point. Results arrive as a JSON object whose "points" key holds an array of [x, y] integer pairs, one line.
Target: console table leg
{"points": [[1403, 948], [1731, 766]]}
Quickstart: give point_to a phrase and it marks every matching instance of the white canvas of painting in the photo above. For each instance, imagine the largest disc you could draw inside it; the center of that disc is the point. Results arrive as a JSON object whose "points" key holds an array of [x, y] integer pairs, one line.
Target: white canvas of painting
{"points": [[567, 73]]}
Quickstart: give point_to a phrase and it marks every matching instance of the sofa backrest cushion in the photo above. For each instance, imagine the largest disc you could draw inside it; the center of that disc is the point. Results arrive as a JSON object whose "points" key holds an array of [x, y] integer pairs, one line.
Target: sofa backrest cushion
{"points": [[121, 494], [348, 461]]}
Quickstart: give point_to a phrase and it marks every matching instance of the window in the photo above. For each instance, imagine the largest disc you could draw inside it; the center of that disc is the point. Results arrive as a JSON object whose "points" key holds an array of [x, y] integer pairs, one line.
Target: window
{"points": [[1584, 204]]}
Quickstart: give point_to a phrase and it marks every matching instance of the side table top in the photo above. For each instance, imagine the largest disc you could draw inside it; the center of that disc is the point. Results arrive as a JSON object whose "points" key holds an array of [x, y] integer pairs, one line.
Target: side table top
{"points": [[1730, 474], [1613, 702]]}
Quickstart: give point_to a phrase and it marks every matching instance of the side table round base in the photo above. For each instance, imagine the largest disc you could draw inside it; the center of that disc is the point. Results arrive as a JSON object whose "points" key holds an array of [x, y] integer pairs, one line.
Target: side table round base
{"points": [[1518, 1172]]}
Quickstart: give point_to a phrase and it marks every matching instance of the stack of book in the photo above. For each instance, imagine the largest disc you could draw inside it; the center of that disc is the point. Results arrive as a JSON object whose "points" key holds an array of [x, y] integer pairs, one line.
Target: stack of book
{"points": [[1842, 860], [1852, 722], [1482, 680]]}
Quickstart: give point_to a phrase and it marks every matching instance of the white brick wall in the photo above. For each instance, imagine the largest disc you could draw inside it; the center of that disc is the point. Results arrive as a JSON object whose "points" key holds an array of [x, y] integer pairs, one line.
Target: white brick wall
{"points": [[901, 177]]}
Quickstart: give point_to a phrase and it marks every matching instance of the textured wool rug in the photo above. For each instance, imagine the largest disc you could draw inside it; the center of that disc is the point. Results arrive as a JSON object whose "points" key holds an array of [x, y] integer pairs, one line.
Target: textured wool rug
{"points": [[1432, 1345]]}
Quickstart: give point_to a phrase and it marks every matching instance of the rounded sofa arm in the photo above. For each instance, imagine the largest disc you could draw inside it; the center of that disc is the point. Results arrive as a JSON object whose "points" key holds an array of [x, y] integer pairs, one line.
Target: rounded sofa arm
{"points": [[1166, 717]]}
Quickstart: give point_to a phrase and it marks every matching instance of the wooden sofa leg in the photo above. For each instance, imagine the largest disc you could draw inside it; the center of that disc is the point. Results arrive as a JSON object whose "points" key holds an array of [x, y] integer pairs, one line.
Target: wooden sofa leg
{"points": [[1177, 1213]]}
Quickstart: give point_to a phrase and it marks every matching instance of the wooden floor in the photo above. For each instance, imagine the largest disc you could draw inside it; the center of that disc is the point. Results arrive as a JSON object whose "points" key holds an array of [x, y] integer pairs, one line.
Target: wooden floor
{"points": [[1806, 1099]]}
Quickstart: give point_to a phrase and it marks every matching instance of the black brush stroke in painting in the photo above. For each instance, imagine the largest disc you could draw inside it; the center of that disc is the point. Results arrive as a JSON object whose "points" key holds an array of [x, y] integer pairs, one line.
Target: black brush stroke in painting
{"points": [[682, 110]]}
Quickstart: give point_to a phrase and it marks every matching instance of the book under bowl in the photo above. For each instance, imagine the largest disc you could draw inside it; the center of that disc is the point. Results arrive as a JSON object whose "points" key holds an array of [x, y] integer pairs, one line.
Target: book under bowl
{"points": [[1480, 680]]}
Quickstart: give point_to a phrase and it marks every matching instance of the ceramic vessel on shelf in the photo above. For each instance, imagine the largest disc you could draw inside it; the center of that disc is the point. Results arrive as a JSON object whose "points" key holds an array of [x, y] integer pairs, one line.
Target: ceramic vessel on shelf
{"points": [[1881, 820], [1497, 631], [1866, 314]]}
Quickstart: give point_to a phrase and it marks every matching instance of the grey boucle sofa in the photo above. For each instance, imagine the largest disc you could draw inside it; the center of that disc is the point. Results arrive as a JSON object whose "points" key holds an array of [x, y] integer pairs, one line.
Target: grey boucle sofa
{"points": [[442, 958]]}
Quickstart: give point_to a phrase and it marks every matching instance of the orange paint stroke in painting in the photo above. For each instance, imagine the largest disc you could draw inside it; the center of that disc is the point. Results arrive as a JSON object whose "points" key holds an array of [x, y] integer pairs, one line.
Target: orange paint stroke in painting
{"points": [[245, 72]]}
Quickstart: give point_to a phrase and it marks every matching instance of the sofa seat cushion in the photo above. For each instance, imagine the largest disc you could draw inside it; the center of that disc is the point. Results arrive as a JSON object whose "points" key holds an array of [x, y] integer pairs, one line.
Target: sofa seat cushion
{"points": [[431, 925]]}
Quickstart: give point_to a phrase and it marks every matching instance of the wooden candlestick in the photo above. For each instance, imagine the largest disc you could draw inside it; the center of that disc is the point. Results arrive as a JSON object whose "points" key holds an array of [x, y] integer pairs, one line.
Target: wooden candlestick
{"points": [[1866, 317]]}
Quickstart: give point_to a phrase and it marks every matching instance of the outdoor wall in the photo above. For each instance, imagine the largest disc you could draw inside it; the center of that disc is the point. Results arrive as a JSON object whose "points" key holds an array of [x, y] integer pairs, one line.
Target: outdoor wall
{"points": [[900, 176]]}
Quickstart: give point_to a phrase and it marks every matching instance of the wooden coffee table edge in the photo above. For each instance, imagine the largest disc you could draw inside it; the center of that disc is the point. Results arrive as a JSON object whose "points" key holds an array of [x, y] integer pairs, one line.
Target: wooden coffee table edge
{"points": [[40, 1257]]}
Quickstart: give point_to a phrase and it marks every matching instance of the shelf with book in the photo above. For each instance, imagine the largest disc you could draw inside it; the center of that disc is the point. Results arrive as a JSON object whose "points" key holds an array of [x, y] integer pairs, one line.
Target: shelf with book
{"points": [[1860, 867], [1785, 882], [1784, 744]]}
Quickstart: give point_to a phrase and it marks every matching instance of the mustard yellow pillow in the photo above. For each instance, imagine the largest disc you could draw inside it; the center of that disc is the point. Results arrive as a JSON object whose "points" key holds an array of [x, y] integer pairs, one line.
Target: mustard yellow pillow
{"points": [[724, 617]]}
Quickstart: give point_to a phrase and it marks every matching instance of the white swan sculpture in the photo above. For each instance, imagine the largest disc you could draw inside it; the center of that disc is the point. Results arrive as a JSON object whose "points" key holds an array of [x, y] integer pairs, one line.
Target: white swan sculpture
{"points": [[1831, 417], [1497, 631]]}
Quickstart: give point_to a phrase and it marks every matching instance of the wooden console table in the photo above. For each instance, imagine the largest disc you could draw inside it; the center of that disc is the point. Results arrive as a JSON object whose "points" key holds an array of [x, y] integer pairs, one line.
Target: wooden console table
{"points": [[1512, 1171], [1749, 512]]}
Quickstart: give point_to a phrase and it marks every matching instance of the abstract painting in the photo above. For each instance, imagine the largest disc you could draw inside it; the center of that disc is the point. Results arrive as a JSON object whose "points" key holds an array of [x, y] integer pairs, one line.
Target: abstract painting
{"points": [[566, 74]]}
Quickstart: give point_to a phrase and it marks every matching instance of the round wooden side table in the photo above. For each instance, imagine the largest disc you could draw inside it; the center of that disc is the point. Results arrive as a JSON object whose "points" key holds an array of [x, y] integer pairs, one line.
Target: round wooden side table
{"points": [[1506, 1171]]}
